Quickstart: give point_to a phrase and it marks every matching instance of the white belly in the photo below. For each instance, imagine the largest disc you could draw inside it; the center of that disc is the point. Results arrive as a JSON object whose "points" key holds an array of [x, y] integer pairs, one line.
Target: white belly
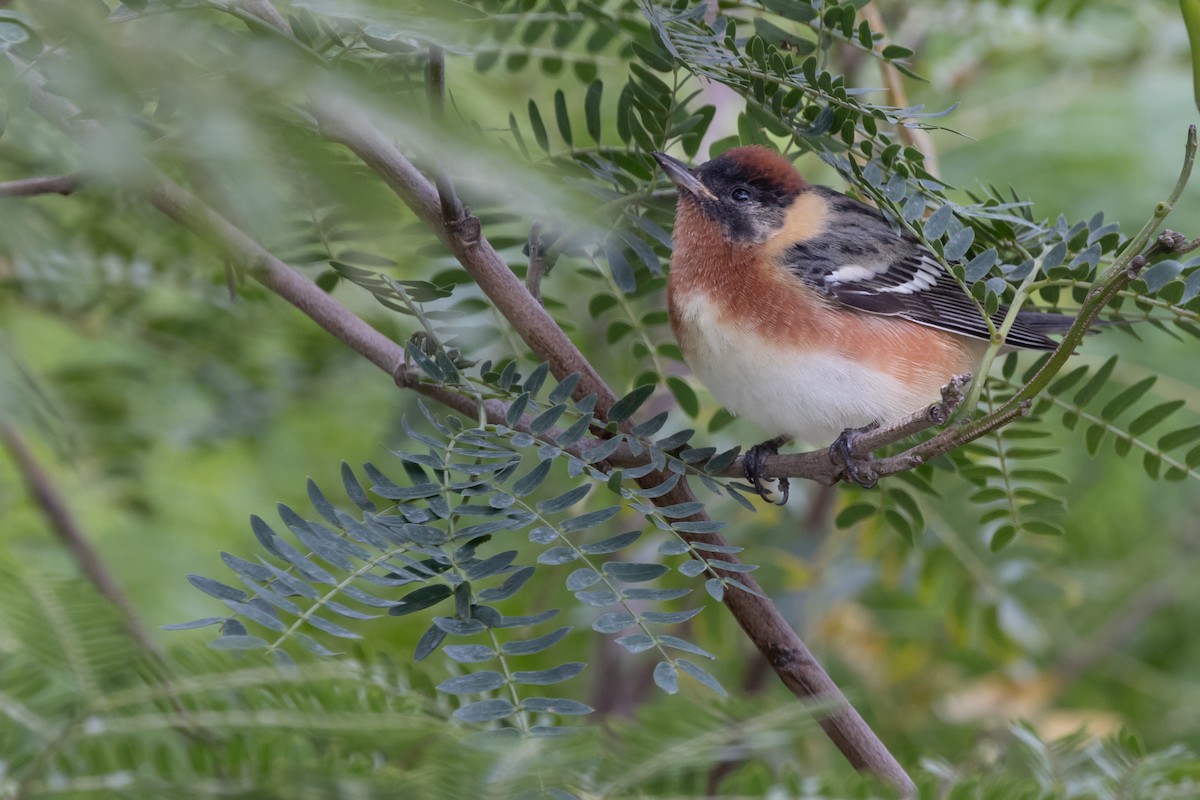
{"points": [[812, 397]]}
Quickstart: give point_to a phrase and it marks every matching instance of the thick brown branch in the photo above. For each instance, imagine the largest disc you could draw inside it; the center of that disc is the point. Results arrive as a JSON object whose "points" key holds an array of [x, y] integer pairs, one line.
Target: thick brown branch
{"points": [[344, 123], [50, 184]]}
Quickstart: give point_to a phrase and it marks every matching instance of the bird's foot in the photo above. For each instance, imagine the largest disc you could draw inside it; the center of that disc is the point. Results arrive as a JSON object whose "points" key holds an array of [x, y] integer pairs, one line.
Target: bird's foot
{"points": [[856, 468], [773, 490]]}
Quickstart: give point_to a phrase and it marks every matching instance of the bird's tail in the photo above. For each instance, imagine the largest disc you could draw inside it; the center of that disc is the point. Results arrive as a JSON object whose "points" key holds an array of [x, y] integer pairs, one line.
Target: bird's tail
{"points": [[1045, 322], [1032, 329]]}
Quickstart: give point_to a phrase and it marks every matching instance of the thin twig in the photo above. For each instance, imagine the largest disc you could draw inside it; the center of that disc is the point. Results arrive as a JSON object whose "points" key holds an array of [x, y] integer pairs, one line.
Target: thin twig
{"points": [[934, 415], [913, 136], [64, 525], [49, 184], [452, 209], [67, 529], [816, 465], [537, 263]]}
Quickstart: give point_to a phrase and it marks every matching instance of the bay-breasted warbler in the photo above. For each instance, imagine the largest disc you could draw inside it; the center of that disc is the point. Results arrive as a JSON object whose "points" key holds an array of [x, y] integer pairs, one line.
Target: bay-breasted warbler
{"points": [[806, 311]]}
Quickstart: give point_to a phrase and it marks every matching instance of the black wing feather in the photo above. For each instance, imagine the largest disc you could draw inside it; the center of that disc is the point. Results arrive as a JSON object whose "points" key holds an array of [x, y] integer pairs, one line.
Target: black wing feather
{"points": [[863, 263]]}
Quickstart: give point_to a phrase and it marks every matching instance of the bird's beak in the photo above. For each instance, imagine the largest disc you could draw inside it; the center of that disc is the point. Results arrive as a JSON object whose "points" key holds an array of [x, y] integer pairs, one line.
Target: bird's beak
{"points": [[679, 173]]}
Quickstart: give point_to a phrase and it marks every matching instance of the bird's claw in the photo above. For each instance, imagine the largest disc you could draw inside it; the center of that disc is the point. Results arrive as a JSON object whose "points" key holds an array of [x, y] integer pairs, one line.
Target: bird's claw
{"points": [[773, 490], [856, 468]]}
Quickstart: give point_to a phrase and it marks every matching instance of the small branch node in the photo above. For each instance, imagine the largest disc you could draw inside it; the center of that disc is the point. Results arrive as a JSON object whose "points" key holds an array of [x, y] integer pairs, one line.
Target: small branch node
{"points": [[1173, 243], [1170, 240], [467, 228]]}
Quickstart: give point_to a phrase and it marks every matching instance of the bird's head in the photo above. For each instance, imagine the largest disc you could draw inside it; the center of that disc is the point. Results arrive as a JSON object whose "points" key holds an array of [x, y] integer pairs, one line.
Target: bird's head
{"points": [[746, 190]]}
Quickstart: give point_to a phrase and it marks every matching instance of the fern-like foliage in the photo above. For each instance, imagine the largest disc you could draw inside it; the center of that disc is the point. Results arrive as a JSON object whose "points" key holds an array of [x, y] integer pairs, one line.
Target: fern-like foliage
{"points": [[447, 540], [75, 720]]}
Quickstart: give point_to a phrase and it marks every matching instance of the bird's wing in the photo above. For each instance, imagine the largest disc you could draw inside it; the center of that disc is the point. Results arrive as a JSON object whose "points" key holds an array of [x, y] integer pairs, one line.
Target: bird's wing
{"points": [[862, 263]]}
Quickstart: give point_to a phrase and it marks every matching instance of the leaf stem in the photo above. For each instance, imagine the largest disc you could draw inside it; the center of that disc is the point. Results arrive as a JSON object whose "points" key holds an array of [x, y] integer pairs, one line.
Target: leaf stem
{"points": [[1123, 271]]}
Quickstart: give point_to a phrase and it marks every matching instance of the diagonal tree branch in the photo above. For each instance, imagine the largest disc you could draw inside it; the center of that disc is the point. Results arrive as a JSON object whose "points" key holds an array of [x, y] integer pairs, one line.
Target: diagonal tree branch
{"points": [[791, 659], [761, 620], [64, 525]]}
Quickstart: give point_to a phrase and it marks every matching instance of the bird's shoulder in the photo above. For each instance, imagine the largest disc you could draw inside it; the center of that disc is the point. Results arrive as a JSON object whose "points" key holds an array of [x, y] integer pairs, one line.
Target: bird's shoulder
{"points": [[858, 253]]}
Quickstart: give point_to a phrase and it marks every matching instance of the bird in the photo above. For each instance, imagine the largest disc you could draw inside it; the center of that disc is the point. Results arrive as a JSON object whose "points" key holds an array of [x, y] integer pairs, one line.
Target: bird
{"points": [[809, 313]]}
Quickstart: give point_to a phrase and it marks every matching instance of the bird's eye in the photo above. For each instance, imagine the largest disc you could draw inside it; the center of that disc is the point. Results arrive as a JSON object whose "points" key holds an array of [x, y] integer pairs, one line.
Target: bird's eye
{"points": [[740, 195]]}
